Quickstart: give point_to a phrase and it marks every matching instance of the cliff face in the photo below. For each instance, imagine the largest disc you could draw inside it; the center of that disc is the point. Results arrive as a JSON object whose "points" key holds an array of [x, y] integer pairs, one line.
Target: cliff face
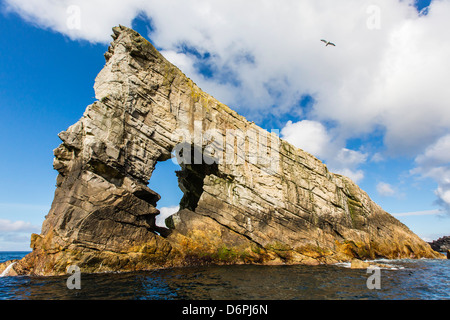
{"points": [[441, 244], [249, 197]]}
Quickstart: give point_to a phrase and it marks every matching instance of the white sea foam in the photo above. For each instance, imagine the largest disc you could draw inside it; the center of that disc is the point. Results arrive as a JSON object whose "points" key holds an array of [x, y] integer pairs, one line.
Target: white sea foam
{"points": [[385, 265], [6, 271], [389, 266], [343, 264]]}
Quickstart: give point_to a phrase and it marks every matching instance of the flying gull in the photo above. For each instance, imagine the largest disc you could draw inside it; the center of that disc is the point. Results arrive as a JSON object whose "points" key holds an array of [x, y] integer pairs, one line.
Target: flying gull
{"points": [[328, 43]]}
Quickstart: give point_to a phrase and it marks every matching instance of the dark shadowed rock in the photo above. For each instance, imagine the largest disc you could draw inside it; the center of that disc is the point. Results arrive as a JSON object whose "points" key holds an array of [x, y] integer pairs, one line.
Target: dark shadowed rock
{"points": [[441, 244]]}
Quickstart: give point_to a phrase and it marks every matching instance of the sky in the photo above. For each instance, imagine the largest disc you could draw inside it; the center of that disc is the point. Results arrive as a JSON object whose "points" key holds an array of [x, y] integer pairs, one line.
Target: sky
{"points": [[375, 107]]}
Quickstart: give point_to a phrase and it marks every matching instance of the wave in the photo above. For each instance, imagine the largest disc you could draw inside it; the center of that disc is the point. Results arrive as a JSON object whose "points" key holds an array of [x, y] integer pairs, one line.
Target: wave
{"points": [[376, 263], [343, 264], [6, 271]]}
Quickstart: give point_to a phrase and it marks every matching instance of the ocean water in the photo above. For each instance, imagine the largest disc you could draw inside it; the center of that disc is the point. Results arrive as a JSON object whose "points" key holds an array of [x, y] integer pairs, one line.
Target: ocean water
{"points": [[404, 279]]}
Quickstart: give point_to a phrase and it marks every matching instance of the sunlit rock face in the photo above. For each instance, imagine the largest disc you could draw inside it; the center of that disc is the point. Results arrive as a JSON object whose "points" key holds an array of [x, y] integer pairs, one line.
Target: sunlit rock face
{"points": [[249, 197]]}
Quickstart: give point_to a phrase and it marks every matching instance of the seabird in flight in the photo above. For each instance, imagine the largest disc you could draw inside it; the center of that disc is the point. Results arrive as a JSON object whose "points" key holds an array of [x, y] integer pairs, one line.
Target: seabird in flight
{"points": [[328, 43]]}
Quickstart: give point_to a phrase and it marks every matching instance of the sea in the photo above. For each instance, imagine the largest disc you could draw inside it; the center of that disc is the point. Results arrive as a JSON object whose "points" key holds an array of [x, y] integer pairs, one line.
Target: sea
{"points": [[424, 279]]}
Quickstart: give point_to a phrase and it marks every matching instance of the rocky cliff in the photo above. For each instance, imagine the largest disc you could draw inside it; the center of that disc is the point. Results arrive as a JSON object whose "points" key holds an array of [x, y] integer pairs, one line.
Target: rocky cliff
{"points": [[441, 244], [249, 197]]}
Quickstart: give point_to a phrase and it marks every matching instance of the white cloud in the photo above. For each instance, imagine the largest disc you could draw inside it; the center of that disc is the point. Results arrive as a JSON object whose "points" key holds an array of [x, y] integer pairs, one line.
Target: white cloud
{"points": [[91, 20], [355, 175], [165, 212], [184, 62], [377, 157], [313, 137], [17, 226], [385, 189], [437, 153], [434, 163], [350, 158], [347, 163], [418, 213]]}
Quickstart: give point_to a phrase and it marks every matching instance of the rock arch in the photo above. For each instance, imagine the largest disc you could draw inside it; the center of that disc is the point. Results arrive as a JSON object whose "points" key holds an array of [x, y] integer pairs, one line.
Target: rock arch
{"points": [[259, 201]]}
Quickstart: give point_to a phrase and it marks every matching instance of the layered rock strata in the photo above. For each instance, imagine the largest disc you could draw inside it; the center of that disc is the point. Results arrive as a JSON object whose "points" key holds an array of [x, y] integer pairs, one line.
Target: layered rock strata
{"points": [[249, 197]]}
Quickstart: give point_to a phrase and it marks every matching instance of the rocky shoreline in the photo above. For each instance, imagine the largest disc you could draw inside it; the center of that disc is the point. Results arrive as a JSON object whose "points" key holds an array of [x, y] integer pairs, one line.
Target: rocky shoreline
{"points": [[441, 245]]}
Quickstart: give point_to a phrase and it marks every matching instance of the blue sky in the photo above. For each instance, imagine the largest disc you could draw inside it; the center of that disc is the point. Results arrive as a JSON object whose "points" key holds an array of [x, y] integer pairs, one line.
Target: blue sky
{"points": [[390, 138]]}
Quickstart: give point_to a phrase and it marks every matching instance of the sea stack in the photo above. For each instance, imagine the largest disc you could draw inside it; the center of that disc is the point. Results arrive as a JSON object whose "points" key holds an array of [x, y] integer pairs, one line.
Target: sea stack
{"points": [[441, 245], [249, 196]]}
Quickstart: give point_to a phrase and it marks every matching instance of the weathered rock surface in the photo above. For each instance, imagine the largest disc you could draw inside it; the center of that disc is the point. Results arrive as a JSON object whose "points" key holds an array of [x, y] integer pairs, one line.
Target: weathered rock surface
{"points": [[289, 209], [441, 244]]}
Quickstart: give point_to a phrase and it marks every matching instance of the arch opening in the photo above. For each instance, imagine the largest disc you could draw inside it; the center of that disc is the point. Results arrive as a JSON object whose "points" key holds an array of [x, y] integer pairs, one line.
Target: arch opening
{"points": [[164, 181], [179, 180]]}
